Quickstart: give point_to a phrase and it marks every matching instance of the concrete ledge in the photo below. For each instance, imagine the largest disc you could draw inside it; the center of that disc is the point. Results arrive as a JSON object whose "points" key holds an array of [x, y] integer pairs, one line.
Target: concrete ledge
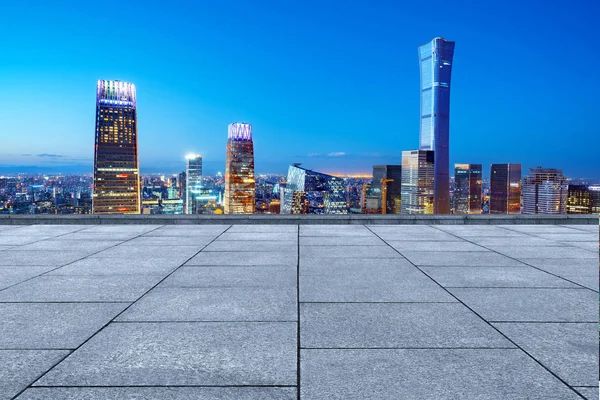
{"points": [[350, 219]]}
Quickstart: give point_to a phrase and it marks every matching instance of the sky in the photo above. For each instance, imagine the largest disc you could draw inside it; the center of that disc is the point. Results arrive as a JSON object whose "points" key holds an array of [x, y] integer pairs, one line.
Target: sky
{"points": [[333, 85]]}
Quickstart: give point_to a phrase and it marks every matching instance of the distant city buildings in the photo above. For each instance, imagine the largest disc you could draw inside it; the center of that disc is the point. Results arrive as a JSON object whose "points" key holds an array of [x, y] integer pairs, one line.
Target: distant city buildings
{"points": [[544, 191], [467, 189], [505, 189], [435, 59], [160, 206], [383, 195], [417, 182], [193, 185], [311, 192], [583, 199], [116, 187], [239, 170]]}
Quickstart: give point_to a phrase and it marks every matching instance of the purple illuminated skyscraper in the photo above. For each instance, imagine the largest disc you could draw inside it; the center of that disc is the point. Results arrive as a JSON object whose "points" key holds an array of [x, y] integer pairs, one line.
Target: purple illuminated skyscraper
{"points": [[116, 188], [435, 60], [239, 170]]}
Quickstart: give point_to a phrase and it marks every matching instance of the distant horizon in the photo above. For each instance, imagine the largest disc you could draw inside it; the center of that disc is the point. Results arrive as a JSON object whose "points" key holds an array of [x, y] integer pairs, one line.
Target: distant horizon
{"points": [[79, 170]]}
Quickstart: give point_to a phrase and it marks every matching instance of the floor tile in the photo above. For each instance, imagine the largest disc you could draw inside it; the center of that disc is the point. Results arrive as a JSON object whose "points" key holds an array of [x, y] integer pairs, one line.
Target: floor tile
{"points": [[215, 304], [116, 266], [411, 245], [79, 288], [543, 252], [247, 258], [20, 368], [162, 393], [426, 374], [11, 275], [290, 246], [52, 325], [568, 350], [348, 252], [231, 276], [40, 257], [373, 284], [465, 259], [494, 277], [554, 305], [386, 325], [168, 354]]}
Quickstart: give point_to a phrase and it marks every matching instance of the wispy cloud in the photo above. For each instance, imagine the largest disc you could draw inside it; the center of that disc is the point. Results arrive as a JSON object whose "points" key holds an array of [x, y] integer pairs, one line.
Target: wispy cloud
{"points": [[315, 155], [49, 155], [337, 154], [25, 155]]}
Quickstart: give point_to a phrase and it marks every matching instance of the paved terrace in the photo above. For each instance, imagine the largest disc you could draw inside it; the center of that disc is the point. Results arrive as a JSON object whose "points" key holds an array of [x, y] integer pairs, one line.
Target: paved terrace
{"points": [[315, 311]]}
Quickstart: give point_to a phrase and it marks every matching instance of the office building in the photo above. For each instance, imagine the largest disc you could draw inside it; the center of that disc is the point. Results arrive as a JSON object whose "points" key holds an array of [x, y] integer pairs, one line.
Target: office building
{"points": [[116, 187], [193, 184], [544, 191], [383, 194], [467, 189], [435, 60], [580, 199], [505, 189], [417, 182], [389, 179], [239, 170], [311, 192], [595, 191]]}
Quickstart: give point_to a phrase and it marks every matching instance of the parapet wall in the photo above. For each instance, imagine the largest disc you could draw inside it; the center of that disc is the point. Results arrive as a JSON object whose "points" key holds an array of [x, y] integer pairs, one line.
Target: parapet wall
{"points": [[255, 219]]}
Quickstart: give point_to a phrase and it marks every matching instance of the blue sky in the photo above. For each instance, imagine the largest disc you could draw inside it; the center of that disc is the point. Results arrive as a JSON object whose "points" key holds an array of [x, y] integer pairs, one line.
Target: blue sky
{"points": [[331, 84]]}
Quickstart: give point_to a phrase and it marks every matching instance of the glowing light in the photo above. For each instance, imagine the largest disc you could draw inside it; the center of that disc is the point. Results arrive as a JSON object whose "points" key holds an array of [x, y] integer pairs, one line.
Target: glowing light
{"points": [[239, 131], [192, 156], [116, 93]]}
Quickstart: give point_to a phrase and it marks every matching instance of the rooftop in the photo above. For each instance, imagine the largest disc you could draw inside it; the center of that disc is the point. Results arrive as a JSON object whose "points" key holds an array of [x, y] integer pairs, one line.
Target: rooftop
{"points": [[263, 311]]}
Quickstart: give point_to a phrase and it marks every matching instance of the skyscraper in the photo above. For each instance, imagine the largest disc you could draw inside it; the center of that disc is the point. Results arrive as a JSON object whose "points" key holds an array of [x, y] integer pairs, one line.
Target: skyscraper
{"points": [[391, 188], [239, 170], [545, 191], [435, 60], [505, 189], [116, 188], [579, 200], [467, 189], [313, 192], [193, 174], [417, 182]]}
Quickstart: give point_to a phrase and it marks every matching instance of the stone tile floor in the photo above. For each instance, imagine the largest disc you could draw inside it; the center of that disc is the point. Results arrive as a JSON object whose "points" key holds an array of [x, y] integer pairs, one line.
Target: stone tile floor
{"points": [[315, 311]]}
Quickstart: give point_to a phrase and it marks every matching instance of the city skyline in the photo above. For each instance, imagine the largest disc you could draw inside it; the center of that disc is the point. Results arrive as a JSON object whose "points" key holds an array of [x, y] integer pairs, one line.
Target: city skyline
{"points": [[353, 114]]}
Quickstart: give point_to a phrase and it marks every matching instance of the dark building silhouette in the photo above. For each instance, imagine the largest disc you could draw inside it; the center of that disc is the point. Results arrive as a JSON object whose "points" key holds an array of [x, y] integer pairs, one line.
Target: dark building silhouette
{"points": [[467, 189], [505, 189]]}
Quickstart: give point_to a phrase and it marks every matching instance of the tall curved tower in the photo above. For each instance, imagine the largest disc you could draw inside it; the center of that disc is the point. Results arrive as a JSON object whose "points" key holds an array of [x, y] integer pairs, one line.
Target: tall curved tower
{"points": [[435, 60], [116, 187], [239, 170]]}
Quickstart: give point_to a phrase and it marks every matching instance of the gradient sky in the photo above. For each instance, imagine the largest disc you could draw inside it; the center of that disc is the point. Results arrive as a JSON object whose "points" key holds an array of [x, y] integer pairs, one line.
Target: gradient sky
{"points": [[331, 84]]}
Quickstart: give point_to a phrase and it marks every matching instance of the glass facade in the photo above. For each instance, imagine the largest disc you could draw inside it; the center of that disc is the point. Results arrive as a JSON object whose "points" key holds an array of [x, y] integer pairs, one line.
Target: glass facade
{"points": [[505, 189], [310, 192], [579, 200], [390, 190], [467, 189], [240, 189], [417, 182], [193, 182], [116, 188], [544, 191], [435, 60]]}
